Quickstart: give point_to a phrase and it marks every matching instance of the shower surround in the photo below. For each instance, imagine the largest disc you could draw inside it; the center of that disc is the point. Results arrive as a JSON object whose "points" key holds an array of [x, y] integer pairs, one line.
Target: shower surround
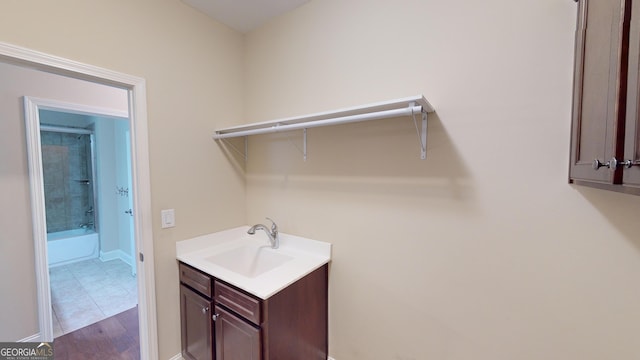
{"points": [[69, 196]]}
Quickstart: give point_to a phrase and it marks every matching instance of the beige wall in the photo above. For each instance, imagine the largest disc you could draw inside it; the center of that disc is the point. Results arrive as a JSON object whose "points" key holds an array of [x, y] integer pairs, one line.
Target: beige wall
{"points": [[19, 317], [193, 72], [483, 251]]}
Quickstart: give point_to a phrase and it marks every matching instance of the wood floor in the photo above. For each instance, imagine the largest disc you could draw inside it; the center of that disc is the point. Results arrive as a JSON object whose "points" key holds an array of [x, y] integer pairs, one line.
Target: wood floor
{"points": [[116, 337]]}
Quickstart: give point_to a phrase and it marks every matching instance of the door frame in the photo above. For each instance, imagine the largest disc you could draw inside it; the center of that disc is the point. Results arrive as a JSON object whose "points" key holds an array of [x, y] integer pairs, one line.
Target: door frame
{"points": [[141, 178], [32, 107]]}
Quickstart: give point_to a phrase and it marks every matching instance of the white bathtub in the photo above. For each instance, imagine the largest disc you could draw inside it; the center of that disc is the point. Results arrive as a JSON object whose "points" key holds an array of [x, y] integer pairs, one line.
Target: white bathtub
{"points": [[69, 246]]}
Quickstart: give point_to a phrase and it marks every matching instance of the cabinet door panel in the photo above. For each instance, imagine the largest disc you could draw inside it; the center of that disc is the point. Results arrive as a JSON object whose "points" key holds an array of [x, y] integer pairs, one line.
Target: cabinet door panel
{"points": [[235, 338], [598, 88], [195, 312], [632, 138]]}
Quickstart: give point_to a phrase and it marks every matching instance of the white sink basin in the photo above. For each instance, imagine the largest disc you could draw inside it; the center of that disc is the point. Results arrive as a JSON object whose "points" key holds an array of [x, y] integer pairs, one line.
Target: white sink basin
{"points": [[250, 260]]}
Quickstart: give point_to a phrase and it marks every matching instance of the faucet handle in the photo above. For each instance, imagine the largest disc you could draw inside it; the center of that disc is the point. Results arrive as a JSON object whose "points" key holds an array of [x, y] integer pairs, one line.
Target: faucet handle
{"points": [[274, 227]]}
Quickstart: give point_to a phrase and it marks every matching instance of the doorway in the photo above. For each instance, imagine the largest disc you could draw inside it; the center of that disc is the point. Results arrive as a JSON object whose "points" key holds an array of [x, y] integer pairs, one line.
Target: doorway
{"points": [[136, 94], [90, 242]]}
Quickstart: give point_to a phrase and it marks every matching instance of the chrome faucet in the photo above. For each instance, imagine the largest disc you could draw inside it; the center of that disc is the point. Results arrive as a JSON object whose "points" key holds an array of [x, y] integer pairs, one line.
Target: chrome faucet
{"points": [[274, 238]]}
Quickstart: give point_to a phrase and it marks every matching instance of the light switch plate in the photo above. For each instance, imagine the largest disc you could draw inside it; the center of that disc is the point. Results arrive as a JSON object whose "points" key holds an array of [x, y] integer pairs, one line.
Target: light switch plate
{"points": [[168, 218]]}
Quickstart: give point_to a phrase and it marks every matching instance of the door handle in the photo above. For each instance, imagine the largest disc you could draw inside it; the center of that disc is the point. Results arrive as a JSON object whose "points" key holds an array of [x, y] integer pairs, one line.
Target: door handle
{"points": [[130, 212]]}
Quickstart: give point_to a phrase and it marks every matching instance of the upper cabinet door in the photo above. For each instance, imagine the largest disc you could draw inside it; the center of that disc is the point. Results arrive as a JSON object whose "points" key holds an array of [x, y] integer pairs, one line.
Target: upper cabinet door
{"points": [[632, 139], [599, 94]]}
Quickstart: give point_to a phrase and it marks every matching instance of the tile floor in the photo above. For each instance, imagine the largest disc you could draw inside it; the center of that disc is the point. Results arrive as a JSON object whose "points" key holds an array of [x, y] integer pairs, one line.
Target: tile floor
{"points": [[88, 291]]}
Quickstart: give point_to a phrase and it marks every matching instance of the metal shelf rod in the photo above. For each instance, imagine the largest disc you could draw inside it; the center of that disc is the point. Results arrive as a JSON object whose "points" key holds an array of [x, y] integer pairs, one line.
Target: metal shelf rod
{"points": [[407, 111]]}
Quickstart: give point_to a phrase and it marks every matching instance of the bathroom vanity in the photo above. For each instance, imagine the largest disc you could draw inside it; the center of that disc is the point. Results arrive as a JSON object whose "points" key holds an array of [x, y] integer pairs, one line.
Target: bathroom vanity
{"points": [[241, 299]]}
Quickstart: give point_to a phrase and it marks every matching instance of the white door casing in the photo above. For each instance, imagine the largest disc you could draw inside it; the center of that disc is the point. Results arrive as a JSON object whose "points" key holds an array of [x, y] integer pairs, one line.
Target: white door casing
{"points": [[141, 190]]}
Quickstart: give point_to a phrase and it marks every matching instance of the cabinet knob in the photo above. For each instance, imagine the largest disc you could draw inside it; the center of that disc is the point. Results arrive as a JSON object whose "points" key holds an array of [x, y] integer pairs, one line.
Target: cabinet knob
{"points": [[597, 164], [205, 309], [614, 164], [215, 317]]}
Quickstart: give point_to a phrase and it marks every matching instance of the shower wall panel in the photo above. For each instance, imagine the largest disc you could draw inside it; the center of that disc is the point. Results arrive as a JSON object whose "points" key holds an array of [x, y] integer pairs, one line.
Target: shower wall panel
{"points": [[66, 160]]}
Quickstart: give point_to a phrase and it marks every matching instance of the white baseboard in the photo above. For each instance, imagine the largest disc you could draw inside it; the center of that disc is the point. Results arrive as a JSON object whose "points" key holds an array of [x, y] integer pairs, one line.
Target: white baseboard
{"points": [[32, 338], [179, 357], [117, 254]]}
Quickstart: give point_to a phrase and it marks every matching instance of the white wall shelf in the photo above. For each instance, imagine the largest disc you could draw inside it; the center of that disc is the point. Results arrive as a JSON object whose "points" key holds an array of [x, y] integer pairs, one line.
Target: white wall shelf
{"points": [[410, 106]]}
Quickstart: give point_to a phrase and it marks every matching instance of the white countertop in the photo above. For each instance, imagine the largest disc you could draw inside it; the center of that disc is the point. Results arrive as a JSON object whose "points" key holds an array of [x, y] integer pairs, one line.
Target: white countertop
{"points": [[306, 256]]}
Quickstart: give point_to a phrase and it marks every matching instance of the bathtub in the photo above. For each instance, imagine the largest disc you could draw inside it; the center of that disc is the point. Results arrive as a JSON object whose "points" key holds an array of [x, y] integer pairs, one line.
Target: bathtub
{"points": [[69, 246]]}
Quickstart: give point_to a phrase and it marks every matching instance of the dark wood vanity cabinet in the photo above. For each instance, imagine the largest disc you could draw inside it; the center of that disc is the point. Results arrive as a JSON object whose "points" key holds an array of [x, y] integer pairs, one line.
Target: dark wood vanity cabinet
{"points": [[290, 325], [196, 329], [605, 139], [238, 321], [196, 307], [235, 338]]}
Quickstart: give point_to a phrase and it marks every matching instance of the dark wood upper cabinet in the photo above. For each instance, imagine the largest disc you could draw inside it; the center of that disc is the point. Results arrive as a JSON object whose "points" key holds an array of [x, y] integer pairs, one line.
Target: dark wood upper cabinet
{"points": [[631, 176], [599, 87], [604, 136]]}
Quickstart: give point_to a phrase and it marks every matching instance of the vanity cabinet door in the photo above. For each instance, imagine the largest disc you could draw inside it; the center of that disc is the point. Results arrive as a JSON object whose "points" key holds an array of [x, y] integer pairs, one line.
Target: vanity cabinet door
{"points": [[235, 338], [197, 329]]}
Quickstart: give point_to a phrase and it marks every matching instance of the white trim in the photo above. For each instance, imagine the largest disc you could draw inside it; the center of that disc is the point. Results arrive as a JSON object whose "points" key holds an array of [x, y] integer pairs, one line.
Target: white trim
{"points": [[142, 218], [141, 184], [81, 109], [32, 338], [36, 183], [66, 67], [177, 357]]}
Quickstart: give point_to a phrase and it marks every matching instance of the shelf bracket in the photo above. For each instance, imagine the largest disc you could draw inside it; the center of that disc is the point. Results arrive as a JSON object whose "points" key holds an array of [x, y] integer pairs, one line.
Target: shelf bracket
{"points": [[423, 137], [246, 147], [422, 132], [304, 144]]}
